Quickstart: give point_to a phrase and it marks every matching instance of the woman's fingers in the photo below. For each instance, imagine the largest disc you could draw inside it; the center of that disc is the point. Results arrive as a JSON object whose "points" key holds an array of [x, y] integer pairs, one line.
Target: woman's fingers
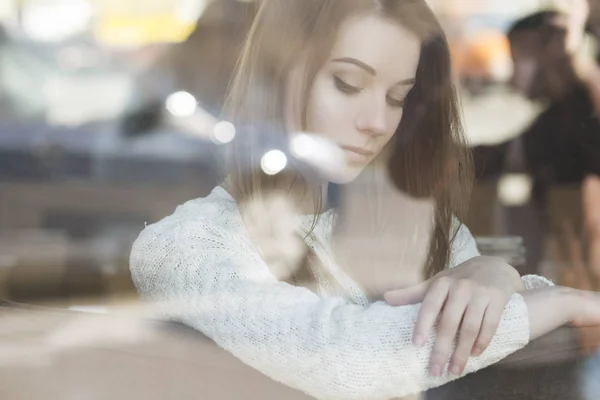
{"points": [[452, 315], [490, 323], [411, 295], [465, 313], [469, 332], [430, 310]]}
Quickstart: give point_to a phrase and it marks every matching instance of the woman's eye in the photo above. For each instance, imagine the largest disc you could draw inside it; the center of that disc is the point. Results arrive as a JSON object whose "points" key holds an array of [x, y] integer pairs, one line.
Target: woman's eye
{"points": [[397, 103], [345, 87]]}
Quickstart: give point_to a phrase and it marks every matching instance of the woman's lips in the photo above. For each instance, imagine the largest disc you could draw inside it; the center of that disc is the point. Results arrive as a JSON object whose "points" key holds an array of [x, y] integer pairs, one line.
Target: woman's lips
{"points": [[358, 153]]}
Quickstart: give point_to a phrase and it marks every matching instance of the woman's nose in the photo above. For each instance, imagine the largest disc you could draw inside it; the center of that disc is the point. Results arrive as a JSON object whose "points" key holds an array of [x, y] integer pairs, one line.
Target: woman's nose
{"points": [[372, 118]]}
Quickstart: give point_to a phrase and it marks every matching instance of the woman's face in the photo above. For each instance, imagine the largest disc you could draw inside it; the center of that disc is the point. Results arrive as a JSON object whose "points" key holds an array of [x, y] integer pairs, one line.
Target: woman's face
{"points": [[357, 98]]}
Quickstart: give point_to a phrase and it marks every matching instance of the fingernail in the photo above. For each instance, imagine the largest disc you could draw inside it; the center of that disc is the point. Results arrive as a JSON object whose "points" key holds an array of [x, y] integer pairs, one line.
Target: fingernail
{"points": [[436, 370]]}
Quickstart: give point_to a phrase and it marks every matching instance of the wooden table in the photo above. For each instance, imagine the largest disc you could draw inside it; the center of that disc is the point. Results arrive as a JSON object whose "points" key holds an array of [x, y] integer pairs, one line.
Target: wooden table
{"points": [[47, 353]]}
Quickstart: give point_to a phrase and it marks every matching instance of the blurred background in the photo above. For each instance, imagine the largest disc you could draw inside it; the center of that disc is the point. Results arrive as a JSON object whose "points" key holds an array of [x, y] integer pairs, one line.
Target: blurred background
{"points": [[109, 119]]}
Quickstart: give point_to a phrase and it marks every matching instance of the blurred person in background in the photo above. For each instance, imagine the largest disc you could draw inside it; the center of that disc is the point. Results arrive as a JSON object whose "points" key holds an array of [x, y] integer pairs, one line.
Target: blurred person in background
{"points": [[562, 144], [265, 265]]}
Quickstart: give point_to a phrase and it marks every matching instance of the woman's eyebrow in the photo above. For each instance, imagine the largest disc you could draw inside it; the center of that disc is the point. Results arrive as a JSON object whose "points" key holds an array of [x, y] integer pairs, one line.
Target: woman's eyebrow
{"points": [[369, 69]]}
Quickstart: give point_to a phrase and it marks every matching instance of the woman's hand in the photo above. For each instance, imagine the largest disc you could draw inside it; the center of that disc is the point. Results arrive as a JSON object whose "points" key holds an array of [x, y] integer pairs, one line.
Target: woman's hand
{"points": [[469, 300], [555, 306]]}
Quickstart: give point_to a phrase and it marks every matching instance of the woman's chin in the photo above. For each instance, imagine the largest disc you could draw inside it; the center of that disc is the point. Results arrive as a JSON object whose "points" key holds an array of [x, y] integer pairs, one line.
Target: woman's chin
{"points": [[346, 174]]}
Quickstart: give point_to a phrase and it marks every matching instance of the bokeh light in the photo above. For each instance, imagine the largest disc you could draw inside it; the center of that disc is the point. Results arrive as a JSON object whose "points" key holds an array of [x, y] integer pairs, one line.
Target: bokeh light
{"points": [[223, 132], [515, 189], [181, 104], [273, 162]]}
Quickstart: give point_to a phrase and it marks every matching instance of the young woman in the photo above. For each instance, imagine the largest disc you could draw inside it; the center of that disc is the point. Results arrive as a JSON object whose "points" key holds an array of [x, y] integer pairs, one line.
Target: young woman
{"points": [[372, 78]]}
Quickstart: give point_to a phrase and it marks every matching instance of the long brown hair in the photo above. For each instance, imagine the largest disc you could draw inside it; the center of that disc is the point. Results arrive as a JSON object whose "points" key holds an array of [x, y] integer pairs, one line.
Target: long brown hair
{"points": [[429, 157]]}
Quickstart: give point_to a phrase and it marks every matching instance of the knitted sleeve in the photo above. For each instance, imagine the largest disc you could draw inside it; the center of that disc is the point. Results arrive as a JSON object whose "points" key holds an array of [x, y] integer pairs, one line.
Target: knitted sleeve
{"points": [[212, 279]]}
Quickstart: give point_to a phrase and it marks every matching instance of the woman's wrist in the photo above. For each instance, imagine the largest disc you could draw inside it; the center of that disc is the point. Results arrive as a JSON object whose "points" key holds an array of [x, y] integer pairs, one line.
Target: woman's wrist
{"points": [[570, 302], [549, 308]]}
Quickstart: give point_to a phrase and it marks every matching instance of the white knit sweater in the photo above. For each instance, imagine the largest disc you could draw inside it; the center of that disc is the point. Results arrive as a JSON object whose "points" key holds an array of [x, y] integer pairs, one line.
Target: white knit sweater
{"points": [[328, 346]]}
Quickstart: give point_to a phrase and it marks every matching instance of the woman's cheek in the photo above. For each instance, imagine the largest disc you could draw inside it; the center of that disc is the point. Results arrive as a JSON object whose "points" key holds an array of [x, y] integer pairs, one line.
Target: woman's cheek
{"points": [[325, 112]]}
